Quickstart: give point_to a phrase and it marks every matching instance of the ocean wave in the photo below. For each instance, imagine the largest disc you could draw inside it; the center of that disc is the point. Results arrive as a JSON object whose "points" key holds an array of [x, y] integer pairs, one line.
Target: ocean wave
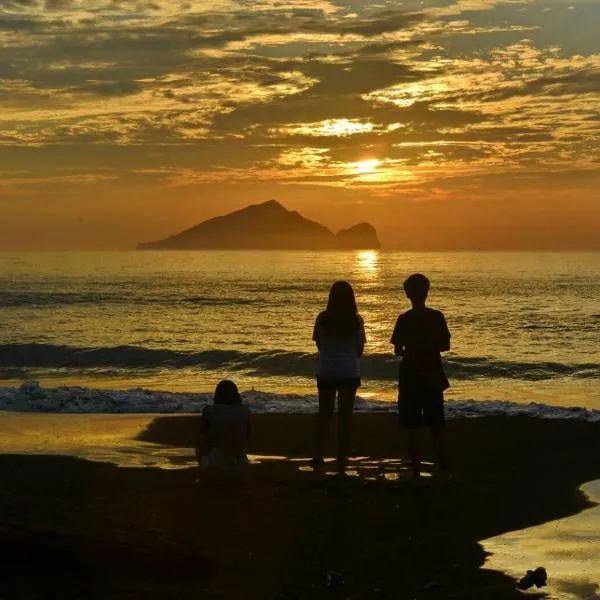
{"points": [[32, 398], [41, 299], [276, 362]]}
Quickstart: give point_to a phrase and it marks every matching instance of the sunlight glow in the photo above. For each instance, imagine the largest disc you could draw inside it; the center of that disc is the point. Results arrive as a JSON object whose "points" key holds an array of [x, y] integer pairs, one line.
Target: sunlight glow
{"points": [[365, 166], [344, 127], [326, 128]]}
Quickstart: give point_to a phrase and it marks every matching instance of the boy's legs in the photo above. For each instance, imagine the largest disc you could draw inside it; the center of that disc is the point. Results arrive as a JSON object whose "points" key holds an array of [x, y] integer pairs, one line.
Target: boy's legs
{"points": [[440, 449], [346, 398], [326, 406], [414, 451], [434, 418]]}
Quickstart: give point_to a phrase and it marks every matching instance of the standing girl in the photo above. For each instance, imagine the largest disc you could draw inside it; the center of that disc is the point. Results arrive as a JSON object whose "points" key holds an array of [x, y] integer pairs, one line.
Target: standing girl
{"points": [[340, 337]]}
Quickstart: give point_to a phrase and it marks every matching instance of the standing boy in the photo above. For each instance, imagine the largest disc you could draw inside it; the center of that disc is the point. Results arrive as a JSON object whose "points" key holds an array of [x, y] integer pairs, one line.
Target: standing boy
{"points": [[419, 336]]}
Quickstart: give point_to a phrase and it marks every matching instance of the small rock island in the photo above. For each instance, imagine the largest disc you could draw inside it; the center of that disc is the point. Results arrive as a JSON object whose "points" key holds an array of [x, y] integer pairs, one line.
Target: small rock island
{"points": [[266, 226]]}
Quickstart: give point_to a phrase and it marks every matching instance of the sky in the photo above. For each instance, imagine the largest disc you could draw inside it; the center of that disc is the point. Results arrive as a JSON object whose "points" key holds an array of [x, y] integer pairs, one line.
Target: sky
{"points": [[447, 124]]}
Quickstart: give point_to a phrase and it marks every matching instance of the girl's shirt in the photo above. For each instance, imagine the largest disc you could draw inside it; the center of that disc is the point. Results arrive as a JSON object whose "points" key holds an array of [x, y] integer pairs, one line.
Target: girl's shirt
{"points": [[339, 356]]}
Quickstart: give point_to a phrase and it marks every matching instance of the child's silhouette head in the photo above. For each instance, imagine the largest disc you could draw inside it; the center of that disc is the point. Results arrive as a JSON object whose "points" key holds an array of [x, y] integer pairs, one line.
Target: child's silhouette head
{"points": [[416, 288], [227, 392]]}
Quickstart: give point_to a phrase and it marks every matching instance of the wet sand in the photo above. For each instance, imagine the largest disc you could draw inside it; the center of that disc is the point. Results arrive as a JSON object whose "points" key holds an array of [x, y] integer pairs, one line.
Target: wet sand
{"points": [[97, 530]]}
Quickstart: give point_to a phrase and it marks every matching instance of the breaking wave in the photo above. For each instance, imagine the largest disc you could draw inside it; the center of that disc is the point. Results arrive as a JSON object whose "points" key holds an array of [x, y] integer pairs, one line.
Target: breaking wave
{"points": [[276, 362], [31, 397]]}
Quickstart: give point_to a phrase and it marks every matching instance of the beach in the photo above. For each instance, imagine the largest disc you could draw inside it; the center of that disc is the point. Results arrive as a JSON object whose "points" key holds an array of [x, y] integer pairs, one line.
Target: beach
{"points": [[97, 527], [105, 365]]}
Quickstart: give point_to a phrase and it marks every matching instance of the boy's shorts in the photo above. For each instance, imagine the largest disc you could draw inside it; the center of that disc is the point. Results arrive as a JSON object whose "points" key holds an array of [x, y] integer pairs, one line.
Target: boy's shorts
{"points": [[420, 406]]}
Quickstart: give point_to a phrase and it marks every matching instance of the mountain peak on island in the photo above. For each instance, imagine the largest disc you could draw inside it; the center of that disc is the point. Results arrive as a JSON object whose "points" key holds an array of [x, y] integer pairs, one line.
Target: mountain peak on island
{"points": [[269, 207], [271, 204], [266, 226]]}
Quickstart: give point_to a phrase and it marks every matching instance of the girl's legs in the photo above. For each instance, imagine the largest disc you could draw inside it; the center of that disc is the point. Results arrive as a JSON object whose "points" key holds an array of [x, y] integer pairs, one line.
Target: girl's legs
{"points": [[326, 406], [346, 397]]}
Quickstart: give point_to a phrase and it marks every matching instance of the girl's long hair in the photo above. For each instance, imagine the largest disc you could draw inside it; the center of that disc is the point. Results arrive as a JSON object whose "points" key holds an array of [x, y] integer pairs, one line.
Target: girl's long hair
{"points": [[340, 318], [227, 392]]}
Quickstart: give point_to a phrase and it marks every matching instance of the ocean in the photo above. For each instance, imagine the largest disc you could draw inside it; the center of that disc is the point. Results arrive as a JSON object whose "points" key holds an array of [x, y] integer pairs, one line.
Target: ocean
{"points": [[155, 331]]}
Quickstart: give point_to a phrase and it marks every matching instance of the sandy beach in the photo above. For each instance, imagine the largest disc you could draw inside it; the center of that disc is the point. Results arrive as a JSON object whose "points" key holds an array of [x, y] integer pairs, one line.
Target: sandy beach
{"points": [[75, 528]]}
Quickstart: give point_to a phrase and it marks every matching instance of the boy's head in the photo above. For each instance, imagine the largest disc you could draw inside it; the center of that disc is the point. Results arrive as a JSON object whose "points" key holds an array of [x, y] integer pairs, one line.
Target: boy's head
{"points": [[416, 288]]}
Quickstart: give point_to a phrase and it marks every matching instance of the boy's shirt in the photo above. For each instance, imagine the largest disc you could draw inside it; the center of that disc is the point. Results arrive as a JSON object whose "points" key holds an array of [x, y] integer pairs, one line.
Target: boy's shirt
{"points": [[420, 335]]}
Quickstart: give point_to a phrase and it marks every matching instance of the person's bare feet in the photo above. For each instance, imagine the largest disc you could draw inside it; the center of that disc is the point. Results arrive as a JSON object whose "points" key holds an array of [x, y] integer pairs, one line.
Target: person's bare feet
{"points": [[317, 463]]}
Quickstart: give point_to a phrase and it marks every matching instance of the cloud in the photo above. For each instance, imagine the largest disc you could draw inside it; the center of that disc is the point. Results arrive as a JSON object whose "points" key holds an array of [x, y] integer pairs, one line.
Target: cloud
{"points": [[17, 24], [248, 88], [386, 22], [578, 82], [18, 4], [385, 48], [116, 88]]}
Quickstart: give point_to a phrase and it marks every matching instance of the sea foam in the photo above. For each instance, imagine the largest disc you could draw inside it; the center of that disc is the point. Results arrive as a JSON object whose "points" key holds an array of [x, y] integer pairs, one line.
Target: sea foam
{"points": [[31, 397]]}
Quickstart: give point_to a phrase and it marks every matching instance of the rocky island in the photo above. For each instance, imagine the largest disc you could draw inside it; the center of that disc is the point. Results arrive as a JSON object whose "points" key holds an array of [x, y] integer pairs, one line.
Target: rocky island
{"points": [[266, 226]]}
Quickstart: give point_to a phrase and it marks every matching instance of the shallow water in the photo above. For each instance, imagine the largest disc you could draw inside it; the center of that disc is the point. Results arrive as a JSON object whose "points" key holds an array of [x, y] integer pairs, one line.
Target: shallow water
{"points": [[569, 550], [102, 438]]}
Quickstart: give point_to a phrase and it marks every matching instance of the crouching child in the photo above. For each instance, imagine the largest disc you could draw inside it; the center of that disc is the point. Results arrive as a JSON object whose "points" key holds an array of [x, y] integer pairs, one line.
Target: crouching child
{"points": [[225, 430]]}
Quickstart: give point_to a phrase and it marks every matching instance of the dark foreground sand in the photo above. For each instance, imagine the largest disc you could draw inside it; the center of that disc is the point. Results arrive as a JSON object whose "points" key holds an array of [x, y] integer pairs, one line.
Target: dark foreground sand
{"points": [[76, 529]]}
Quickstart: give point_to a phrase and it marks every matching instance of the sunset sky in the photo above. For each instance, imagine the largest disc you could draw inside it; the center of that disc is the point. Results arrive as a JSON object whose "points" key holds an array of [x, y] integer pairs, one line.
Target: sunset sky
{"points": [[447, 124]]}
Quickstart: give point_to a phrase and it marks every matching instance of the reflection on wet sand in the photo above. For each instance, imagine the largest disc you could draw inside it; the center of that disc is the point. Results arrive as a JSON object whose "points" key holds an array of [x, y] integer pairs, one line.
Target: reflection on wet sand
{"points": [[359, 468], [105, 438], [569, 549]]}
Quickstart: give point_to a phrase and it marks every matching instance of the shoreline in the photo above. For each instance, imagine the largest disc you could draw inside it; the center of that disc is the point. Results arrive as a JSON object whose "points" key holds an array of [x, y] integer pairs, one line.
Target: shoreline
{"points": [[188, 381], [97, 530], [31, 397]]}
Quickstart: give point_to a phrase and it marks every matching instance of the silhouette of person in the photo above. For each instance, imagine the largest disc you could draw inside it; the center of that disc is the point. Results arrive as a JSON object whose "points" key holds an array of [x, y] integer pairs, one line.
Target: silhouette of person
{"points": [[420, 335], [339, 333], [225, 429]]}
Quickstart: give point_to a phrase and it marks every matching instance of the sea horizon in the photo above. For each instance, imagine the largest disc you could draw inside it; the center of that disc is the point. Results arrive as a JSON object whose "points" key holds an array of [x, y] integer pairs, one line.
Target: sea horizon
{"points": [[383, 250]]}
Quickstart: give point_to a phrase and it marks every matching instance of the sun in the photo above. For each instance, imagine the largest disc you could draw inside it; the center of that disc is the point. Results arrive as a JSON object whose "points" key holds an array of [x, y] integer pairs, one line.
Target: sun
{"points": [[365, 166]]}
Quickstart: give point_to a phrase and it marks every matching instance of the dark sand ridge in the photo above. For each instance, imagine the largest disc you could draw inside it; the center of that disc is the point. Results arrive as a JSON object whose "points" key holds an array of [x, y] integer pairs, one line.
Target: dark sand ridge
{"points": [[93, 530]]}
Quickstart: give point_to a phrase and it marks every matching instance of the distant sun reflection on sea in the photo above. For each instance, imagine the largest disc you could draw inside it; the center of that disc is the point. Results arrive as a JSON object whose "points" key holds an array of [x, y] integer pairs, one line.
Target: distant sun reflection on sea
{"points": [[368, 261]]}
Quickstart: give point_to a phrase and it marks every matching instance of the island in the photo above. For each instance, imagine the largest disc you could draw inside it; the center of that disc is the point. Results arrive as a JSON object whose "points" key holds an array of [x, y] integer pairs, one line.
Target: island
{"points": [[266, 226]]}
